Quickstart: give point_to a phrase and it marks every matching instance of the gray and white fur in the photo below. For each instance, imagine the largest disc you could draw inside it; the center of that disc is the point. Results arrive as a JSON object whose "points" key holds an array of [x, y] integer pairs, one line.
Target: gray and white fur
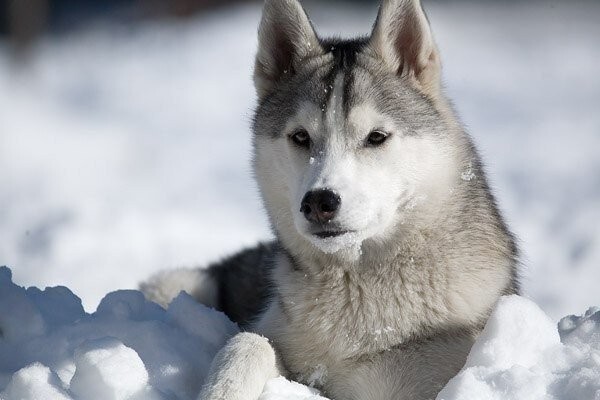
{"points": [[390, 251]]}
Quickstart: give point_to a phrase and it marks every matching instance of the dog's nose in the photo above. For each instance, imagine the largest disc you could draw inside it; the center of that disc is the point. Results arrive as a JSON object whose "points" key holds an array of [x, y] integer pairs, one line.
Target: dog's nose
{"points": [[320, 205]]}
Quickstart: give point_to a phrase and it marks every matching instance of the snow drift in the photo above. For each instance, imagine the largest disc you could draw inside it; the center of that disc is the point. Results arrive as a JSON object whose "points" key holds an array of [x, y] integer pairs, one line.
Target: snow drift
{"points": [[521, 355], [130, 348]]}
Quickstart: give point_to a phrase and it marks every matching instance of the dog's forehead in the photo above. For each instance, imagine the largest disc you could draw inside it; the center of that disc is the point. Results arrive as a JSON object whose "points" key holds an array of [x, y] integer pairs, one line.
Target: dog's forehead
{"points": [[346, 80], [336, 87], [353, 79]]}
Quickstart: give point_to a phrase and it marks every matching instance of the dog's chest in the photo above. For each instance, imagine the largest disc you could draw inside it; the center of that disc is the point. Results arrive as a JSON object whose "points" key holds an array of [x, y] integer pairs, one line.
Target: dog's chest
{"points": [[329, 321]]}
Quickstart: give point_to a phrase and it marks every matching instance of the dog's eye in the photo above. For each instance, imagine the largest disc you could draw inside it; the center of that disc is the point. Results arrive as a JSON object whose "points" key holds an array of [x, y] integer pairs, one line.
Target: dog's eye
{"points": [[301, 138], [376, 138]]}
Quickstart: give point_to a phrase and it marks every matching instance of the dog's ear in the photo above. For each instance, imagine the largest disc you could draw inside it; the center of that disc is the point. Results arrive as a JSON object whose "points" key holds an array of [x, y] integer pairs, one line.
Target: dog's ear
{"points": [[402, 38], [285, 37]]}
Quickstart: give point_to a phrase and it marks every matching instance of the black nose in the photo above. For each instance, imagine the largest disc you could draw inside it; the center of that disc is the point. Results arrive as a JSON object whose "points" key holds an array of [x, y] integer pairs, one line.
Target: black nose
{"points": [[320, 205]]}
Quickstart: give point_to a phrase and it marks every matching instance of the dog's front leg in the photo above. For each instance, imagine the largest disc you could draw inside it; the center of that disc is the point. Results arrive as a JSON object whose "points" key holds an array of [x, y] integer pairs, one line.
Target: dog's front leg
{"points": [[241, 369]]}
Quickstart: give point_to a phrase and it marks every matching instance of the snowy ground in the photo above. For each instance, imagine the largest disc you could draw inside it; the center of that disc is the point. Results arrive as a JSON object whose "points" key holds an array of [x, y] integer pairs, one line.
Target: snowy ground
{"points": [[133, 349], [124, 150]]}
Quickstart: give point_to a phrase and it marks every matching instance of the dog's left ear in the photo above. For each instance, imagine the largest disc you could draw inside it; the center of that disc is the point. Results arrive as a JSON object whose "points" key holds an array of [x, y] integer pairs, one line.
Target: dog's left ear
{"points": [[402, 38]]}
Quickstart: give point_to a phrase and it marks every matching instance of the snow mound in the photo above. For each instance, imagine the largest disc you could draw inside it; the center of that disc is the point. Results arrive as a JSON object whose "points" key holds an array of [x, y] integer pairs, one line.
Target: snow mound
{"points": [[521, 355], [128, 349]]}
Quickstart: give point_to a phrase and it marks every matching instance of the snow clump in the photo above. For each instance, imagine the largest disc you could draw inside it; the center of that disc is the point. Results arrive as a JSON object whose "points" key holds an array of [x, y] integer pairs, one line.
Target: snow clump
{"points": [[129, 348], [521, 355]]}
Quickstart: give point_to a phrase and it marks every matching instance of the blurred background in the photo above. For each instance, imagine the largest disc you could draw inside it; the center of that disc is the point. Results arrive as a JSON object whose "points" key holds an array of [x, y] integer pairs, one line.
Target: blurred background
{"points": [[125, 141]]}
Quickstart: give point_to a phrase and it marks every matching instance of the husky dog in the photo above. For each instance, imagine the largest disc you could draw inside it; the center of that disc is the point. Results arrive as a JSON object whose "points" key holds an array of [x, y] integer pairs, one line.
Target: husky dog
{"points": [[390, 250]]}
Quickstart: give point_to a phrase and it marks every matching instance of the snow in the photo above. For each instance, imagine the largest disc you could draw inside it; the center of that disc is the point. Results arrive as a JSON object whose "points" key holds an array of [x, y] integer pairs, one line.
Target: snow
{"points": [[35, 381], [521, 355], [107, 369], [128, 349], [133, 349], [502, 343], [125, 150]]}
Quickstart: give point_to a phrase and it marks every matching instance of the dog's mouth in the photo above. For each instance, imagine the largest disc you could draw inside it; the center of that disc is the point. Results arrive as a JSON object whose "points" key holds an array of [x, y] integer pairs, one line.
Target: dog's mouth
{"points": [[330, 234], [334, 239]]}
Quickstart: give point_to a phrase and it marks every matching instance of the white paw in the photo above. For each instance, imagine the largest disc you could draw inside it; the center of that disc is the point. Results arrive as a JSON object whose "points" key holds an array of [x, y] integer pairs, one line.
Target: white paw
{"points": [[241, 369]]}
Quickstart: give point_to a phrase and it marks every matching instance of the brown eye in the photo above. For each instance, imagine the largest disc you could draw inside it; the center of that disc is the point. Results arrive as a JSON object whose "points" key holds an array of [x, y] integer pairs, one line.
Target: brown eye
{"points": [[376, 138], [301, 138]]}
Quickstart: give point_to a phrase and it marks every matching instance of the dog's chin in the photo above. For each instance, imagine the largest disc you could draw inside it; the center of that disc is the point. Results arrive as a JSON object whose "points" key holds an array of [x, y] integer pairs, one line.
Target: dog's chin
{"points": [[336, 241], [343, 240]]}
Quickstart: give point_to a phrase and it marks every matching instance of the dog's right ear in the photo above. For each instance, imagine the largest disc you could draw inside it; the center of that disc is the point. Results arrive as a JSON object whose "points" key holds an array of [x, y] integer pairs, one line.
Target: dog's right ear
{"points": [[285, 37]]}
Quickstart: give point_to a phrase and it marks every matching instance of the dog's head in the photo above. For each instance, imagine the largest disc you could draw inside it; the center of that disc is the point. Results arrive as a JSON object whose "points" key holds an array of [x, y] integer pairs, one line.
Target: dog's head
{"points": [[351, 137]]}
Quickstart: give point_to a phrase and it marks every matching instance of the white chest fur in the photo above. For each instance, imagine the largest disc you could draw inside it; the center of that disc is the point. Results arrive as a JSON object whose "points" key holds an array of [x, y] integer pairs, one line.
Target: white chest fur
{"points": [[323, 320]]}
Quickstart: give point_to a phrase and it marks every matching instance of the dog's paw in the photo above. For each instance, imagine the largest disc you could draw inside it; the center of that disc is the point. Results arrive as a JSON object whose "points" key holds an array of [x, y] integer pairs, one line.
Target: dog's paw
{"points": [[241, 369]]}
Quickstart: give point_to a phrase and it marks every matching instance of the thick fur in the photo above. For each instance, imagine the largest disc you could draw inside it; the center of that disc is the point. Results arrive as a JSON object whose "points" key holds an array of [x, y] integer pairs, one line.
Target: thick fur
{"points": [[388, 305]]}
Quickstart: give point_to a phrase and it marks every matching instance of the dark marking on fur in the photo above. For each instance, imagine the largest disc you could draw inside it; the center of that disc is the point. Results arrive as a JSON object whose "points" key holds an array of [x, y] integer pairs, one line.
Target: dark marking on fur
{"points": [[344, 53], [348, 84], [243, 282], [328, 86], [291, 259]]}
